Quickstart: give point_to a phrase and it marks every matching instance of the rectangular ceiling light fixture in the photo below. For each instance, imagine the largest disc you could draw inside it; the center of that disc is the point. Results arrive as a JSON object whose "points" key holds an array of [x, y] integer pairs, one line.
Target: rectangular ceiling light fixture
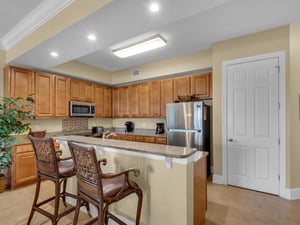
{"points": [[149, 44]]}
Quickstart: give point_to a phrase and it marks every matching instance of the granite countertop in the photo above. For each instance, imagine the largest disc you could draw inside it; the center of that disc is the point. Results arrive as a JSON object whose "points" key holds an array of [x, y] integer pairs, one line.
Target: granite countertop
{"points": [[23, 138], [156, 149]]}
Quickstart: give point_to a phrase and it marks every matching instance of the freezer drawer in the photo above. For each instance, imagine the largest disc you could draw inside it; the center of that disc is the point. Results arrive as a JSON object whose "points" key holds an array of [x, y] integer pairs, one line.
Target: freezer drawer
{"points": [[192, 139]]}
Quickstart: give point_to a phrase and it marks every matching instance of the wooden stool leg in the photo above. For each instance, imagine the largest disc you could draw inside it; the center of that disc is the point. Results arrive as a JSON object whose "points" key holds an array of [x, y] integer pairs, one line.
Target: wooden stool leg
{"points": [[77, 211], [56, 203], [64, 192], [139, 206], [36, 196]]}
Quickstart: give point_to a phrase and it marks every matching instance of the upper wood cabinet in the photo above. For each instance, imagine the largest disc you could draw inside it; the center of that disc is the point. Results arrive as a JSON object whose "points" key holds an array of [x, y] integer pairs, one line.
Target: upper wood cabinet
{"points": [[182, 86], [81, 91], [144, 99], [44, 99], [167, 95], [133, 100], [62, 96], [201, 85], [18, 82], [103, 97], [116, 100], [123, 102], [155, 98], [76, 89], [88, 92], [107, 110]]}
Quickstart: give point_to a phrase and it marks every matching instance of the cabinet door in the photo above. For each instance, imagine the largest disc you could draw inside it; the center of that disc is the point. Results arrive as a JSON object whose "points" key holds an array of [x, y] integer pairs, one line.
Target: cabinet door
{"points": [[123, 102], [88, 92], [155, 98], [161, 140], [107, 102], [133, 101], [201, 85], [44, 97], [99, 100], [182, 86], [24, 166], [144, 100], [18, 82], [167, 95], [116, 94], [76, 88], [62, 96]]}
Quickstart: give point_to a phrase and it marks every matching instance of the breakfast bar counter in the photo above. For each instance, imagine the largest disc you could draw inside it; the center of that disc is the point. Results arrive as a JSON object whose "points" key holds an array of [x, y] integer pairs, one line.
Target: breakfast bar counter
{"points": [[173, 179]]}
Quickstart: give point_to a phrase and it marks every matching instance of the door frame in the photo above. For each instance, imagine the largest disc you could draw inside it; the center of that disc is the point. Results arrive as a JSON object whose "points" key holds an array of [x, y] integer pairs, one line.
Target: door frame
{"points": [[281, 55]]}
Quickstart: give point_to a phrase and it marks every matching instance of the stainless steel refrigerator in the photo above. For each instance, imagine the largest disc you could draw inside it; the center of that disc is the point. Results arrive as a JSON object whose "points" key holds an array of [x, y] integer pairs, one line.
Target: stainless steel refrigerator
{"points": [[188, 125]]}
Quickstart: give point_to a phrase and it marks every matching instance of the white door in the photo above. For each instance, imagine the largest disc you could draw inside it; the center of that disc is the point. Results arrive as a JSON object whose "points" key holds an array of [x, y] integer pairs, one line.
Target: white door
{"points": [[252, 125]]}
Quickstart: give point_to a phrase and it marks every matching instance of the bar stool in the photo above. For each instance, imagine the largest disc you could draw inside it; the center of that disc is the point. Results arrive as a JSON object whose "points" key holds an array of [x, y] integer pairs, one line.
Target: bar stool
{"points": [[101, 189], [53, 168]]}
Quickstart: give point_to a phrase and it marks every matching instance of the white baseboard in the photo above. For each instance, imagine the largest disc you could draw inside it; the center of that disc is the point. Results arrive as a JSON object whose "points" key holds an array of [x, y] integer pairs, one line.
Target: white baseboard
{"points": [[217, 179], [290, 194]]}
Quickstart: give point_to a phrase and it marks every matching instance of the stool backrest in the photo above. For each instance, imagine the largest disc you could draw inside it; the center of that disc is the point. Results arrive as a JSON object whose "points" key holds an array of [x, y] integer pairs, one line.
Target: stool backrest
{"points": [[46, 160], [88, 171]]}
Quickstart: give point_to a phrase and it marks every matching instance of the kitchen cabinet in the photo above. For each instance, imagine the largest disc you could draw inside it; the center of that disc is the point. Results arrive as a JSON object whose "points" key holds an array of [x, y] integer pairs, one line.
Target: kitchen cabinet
{"points": [[88, 92], [161, 140], [124, 102], [81, 91], [18, 82], [167, 95], [201, 85], [144, 99], [62, 96], [155, 98], [76, 88], [182, 86], [116, 100], [133, 100], [44, 95], [103, 97], [24, 166]]}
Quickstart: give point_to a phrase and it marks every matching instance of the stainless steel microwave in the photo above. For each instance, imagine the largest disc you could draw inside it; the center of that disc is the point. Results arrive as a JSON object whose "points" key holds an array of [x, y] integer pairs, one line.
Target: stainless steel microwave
{"points": [[82, 109]]}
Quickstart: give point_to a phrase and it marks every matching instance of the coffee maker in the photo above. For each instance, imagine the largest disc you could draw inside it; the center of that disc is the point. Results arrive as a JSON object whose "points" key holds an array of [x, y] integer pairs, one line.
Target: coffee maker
{"points": [[129, 126], [160, 128]]}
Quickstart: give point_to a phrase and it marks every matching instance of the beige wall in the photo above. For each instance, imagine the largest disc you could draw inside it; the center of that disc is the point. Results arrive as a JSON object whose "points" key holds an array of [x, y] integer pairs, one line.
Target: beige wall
{"points": [[250, 45], [293, 109], [82, 70], [194, 61]]}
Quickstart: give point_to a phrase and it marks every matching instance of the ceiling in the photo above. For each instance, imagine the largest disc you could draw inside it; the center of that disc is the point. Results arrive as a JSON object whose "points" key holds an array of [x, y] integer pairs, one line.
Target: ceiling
{"points": [[188, 26]]}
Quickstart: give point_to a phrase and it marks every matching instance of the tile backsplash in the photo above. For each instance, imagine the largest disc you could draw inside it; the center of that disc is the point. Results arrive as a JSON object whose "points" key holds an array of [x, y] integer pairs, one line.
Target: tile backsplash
{"points": [[75, 123]]}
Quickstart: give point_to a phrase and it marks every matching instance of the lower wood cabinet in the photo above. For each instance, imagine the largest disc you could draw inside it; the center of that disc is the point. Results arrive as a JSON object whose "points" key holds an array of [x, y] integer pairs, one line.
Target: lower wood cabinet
{"points": [[139, 138], [24, 166]]}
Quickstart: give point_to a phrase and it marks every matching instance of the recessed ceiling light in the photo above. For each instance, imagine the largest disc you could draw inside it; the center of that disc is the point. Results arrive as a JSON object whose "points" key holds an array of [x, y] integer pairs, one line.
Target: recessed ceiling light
{"points": [[92, 37], [154, 7], [54, 54], [146, 45]]}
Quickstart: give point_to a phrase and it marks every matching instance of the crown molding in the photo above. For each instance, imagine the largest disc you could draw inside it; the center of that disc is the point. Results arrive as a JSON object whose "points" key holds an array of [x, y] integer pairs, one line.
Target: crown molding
{"points": [[35, 19]]}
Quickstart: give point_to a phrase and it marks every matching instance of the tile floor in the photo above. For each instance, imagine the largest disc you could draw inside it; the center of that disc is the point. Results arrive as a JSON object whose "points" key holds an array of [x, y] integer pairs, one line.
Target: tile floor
{"points": [[227, 205]]}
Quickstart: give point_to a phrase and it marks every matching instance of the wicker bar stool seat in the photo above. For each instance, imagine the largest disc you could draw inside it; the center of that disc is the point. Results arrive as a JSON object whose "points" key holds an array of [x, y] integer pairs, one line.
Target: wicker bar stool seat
{"points": [[102, 189]]}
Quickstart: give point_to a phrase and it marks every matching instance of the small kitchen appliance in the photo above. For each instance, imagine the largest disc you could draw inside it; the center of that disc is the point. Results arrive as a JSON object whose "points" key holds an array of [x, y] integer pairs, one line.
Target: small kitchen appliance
{"points": [[160, 128], [129, 126]]}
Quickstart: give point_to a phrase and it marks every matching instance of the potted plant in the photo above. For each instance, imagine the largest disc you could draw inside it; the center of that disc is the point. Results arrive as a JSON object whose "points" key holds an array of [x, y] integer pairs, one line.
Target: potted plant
{"points": [[13, 112]]}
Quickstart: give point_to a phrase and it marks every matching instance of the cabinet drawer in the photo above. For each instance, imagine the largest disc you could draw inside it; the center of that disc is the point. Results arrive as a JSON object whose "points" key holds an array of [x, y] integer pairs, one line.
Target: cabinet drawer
{"points": [[23, 148]]}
